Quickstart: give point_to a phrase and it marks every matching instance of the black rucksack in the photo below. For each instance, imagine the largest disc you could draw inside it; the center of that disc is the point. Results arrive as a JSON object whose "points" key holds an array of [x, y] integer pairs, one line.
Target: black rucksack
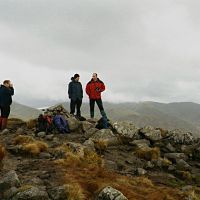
{"points": [[44, 124]]}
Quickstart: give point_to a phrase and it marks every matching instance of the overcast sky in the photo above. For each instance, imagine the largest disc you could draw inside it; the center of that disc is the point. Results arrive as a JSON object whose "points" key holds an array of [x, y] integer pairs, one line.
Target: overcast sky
{"points": [[143, 50]]}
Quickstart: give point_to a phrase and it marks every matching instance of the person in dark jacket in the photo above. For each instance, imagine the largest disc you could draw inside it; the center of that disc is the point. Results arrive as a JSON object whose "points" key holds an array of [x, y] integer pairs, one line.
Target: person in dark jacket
{"points": [[94, 88], [6, 93], [75, 92]]}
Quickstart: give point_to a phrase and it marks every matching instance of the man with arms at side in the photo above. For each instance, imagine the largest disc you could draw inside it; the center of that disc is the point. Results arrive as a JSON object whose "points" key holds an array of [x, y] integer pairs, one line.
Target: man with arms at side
{"points": [[75, 92], [94, 88]]}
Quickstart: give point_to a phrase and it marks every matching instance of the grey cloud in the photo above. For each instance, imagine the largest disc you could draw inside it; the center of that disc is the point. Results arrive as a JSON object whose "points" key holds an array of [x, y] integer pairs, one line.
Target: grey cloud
{"points": [[142, 50]]}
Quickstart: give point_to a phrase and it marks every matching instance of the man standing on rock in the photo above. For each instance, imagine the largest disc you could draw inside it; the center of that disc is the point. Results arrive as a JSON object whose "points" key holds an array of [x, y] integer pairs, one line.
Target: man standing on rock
{"points": [[6, 93], [94, 88], [75, 92]]}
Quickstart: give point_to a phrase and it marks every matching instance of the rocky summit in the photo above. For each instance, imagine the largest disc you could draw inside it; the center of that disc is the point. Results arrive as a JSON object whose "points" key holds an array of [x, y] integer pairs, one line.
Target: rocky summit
{"points": [[119, 163]]}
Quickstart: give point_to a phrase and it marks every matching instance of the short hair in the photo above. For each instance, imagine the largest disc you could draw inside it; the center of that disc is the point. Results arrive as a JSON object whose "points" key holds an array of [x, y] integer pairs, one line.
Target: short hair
{"points": [[95, 74], [76, 76], [6, 81]]}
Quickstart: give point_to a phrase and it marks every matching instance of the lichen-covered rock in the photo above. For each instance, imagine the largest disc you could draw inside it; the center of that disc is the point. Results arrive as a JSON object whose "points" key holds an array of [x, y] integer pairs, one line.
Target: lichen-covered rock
{"points": [[179, 137], [58, 193], [76, 148], [106, 135], [151, 133], [74, 124], [182, 165], [175, 156], [140, 143], [90, 132], [86, 125], [126, 130], [89, 144], [30, 193], [110, 193], [9, 180]]}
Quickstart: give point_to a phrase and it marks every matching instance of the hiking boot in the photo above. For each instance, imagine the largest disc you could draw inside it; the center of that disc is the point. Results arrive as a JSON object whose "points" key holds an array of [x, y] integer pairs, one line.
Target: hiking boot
{"points": [[4, 123]]}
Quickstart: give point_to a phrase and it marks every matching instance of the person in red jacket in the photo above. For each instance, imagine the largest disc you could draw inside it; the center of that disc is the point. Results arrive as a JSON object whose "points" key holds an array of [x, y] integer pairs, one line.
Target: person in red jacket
{"points": [[94, 88]]}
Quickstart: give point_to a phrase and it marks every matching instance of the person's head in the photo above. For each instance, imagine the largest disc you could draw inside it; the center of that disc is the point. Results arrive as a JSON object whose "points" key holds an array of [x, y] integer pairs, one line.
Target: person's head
{"points": [[7, 83], [94, 76], [76, 77]]}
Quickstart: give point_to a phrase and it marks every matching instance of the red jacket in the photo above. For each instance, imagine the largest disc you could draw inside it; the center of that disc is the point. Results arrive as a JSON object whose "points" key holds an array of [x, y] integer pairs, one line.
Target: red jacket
{"points": [[94, 89]]}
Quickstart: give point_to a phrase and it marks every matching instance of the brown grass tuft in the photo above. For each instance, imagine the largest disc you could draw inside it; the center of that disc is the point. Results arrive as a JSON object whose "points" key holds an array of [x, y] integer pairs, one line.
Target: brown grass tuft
{"points": [[100, 145], [35, 148], [23, 139], [31, 123], [30, 145], [74, 191], [166, 162], [148, 153]]}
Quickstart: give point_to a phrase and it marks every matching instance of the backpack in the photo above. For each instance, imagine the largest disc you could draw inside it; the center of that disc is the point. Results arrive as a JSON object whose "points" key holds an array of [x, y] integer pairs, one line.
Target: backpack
{"points": [[103, 123], [44, 124], [61, 124]]}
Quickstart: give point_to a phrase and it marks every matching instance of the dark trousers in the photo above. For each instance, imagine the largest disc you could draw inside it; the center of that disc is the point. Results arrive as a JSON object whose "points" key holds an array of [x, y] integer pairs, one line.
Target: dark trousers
{"points": [[76, 104], [99, 104], [5, 111]]}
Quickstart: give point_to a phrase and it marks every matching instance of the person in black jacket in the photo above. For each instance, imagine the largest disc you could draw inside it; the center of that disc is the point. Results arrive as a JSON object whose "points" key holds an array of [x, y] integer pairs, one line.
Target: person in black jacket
{"points": [[6, 93], [75, 92]]}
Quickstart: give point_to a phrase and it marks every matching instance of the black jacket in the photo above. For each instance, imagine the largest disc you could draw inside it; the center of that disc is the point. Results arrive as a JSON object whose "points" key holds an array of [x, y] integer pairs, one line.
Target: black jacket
{"points": [[75, 90], [6, 95]]}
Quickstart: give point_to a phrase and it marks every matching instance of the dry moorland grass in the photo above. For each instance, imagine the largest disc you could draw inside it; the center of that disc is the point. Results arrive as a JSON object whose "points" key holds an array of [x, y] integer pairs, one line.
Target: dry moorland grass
{"points": [[88, 174], [148, 153], [100, 145], [31, 123], [30, 145]]}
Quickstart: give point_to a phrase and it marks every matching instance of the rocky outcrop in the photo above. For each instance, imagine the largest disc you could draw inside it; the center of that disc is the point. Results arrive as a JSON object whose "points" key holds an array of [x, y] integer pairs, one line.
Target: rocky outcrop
{"points": [[8, 181], [179, 137], [126, 131], [30, 193], [151, 133]]}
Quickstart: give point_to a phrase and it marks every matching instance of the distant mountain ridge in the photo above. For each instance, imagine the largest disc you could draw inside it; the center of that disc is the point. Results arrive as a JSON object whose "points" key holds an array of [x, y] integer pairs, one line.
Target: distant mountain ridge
{"points": [[23, 112], [183, 115]]}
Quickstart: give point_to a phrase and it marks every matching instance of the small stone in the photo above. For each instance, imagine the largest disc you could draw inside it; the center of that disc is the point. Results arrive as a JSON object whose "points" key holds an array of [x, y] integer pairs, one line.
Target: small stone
{"points": [[182, 165], [171, 168], [110, 193], [49, 137], [175, 156], [5, 132], [149, 165], [170, 148], [41, 134], [141, 171], [44, 155], [20, 131]]}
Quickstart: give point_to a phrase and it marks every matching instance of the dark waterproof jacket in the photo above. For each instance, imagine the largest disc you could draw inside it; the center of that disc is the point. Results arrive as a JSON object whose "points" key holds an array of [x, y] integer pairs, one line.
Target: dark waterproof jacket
{"points": [[94, 89], [75, 90], [6, 95]]}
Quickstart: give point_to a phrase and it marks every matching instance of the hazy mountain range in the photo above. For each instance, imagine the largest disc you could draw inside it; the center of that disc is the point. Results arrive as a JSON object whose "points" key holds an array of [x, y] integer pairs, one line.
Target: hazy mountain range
{"points": [[184, 115]]}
